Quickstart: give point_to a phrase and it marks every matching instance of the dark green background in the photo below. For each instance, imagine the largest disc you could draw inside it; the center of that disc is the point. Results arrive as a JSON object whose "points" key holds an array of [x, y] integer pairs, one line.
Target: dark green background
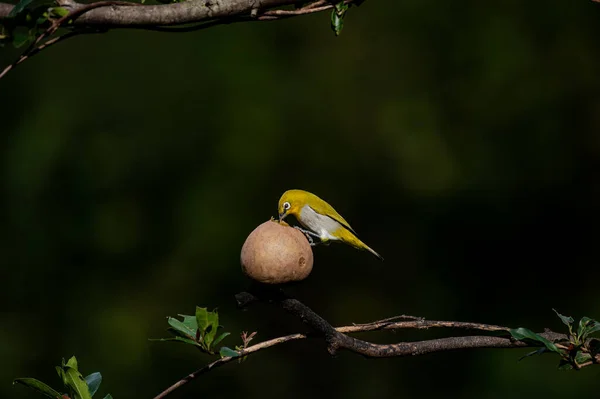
{"points": [[460, 139]]}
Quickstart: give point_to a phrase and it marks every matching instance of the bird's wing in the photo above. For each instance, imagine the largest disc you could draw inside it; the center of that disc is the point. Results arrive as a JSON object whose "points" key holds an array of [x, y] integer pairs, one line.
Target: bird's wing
{"points": [[325, 209]]}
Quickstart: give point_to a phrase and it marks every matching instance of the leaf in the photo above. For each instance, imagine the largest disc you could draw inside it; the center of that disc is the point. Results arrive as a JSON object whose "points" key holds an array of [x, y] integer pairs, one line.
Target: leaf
{"points": [[24, 5], [180, 328], [228, 352], [61, 373], [523, 333], [587, 326], [38, 386], [75, 381], [190, 322], [202, 318], [59, 11], [581, 357], [213, 326], [180, 339], [21, 5], [93, 382], [337, 17], [72, 362], [108, 396], [567, 320], [20, 39], [220, 338]]}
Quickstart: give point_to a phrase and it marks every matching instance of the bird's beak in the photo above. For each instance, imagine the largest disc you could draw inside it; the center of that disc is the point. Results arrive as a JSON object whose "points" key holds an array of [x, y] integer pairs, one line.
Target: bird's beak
{"points": [[282, 216]]}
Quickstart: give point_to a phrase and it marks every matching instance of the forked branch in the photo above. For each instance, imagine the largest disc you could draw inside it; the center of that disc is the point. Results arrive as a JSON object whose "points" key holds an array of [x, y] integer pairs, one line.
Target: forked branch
{"points": [[337, 338]]}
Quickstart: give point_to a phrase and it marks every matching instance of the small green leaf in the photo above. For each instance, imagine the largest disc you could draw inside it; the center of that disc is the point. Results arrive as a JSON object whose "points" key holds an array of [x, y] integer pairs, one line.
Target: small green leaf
{"points": [[337, 17], [228, 352], [202, 318], [567, 320], [213, 326], [521, 334], [72, 363], [59, 11], [93, 382], [38, 386], [61, 373], [20, 39], [181, 328], [220, 338], [587, 326], [108, 396]]}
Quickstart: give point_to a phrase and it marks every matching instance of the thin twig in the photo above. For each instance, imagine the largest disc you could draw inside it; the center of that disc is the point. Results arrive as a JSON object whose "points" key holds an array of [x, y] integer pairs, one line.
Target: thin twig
{"points": [[36, 50]]}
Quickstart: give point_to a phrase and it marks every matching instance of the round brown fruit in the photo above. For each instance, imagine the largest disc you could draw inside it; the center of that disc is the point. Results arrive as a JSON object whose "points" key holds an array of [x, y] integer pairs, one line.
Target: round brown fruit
{"points": [[276, 253]]}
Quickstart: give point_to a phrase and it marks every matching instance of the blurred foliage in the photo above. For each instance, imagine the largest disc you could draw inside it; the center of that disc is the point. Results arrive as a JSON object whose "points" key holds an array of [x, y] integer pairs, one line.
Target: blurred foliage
{"points": [[460, 139]]}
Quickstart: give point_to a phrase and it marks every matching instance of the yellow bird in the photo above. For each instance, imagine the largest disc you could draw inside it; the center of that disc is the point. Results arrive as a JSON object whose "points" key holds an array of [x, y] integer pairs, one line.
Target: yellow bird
{"points": [[320, 219]]}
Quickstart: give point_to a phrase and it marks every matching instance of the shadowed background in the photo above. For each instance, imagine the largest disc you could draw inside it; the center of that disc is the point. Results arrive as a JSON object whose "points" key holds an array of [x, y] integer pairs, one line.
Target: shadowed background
{"points": [[460, 139]]}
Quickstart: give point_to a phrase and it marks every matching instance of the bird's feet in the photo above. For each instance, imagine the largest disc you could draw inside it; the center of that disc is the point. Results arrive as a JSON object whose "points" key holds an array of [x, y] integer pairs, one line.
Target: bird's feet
{"points": [[309, 235]]}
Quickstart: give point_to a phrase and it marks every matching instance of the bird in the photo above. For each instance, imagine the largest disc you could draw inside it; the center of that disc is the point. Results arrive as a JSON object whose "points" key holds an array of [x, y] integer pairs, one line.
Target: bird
{"points": [[319, 219]]}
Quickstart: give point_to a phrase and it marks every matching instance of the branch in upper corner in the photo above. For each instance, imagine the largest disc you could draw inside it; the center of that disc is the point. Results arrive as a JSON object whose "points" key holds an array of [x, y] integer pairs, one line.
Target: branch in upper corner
{"points": [[186, 12], [104, 15]]}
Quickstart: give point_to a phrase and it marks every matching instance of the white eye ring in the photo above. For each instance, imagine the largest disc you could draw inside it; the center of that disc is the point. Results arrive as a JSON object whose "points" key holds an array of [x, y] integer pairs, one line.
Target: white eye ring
{"points": [[286, 206]]}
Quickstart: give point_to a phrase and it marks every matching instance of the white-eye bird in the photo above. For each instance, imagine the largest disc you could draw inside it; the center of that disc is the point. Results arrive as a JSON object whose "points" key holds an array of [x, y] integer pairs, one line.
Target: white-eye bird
{"points": [[320, 219]]}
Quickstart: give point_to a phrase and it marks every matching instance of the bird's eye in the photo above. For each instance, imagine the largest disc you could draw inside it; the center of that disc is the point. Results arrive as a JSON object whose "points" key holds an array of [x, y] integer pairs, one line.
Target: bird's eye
{"points": [[286, 206]]}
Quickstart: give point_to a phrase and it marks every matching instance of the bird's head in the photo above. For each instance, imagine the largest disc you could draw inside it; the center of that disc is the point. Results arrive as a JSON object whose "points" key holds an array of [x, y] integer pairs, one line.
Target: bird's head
{"points": [[290, 203]]}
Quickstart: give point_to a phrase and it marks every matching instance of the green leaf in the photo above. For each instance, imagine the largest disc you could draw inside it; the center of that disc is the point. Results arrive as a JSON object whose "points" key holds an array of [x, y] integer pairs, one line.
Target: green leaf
{"points": [[38, 386], [108, 396], [521, 334], [61, 373], [190, 322], [21, 5], [180, 328], [202, 318], [581, 357], [567, 320], [587, 326], [59, 11], [213, 326], [180, 339], [26, 5], [228, 352], [337, 17], [20, 39], [93, 382], [72, 362], [76, 382], [220, 338]]}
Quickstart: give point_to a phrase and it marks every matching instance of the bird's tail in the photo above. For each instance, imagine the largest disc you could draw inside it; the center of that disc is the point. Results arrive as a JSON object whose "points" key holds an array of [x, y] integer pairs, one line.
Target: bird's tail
{"points": [[350, 239]]}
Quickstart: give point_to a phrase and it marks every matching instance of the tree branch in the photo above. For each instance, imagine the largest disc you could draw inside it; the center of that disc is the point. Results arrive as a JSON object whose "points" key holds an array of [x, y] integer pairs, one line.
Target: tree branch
{"points": [[336, 337], [186, 12]]}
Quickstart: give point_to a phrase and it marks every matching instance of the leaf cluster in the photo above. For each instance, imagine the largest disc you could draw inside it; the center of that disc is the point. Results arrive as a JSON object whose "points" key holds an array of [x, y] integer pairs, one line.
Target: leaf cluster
{"points": [[577, 351], [199, 330], [75, 385], [27, 20]]}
